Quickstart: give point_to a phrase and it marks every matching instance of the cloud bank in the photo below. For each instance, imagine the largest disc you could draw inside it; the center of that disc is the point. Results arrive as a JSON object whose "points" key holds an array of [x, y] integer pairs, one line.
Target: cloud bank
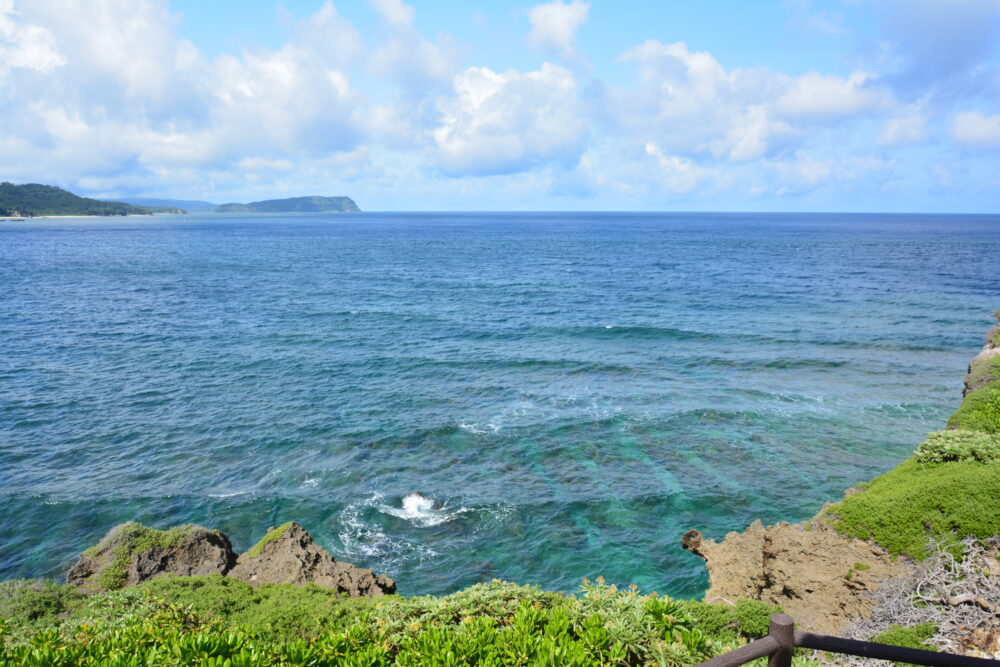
{"points": [[107, 97]]}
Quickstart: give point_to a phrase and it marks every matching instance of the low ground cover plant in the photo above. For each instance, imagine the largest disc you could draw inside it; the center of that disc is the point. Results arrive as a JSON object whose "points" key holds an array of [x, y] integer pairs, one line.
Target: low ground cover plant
{"points": [[217, 621]]}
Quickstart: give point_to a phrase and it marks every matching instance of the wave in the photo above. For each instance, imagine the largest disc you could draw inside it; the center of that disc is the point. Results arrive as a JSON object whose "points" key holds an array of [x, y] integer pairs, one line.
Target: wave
{"points": [[421, 510]]}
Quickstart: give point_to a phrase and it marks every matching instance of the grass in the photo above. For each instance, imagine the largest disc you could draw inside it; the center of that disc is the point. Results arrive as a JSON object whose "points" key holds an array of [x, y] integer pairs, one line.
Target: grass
{"points": [[271, 536], [907, 505]]}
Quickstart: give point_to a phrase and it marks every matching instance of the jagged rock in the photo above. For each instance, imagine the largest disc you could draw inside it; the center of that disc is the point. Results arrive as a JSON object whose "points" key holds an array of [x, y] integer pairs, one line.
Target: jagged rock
{"points": [[820, 577], [288, 554], [132, 553]]}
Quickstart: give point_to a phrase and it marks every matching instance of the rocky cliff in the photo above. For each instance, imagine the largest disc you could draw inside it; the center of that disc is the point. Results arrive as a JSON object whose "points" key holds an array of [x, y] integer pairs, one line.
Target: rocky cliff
{"points": [[818, 576], [132, 553], [826, 579]]}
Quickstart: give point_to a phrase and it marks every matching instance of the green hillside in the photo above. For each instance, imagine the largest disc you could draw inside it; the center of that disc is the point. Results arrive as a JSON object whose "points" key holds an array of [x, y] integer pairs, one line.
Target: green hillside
{"points": [[294, 205], [34, 199]]}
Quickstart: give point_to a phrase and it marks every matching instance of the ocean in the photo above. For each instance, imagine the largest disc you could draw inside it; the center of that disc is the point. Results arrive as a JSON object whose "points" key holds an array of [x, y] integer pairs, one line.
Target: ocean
{"points": [[455, 397]]}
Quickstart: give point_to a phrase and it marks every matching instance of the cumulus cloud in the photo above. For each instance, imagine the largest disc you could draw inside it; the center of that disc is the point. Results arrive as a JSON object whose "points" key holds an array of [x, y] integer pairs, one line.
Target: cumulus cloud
{"points": [[815, 94], [24, 45], [554, 26], [115, 90], [107, 95], [974, 129], [498, 123]]}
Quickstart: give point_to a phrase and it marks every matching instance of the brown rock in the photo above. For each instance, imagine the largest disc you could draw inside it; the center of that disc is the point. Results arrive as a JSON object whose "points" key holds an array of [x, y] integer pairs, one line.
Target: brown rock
{"points": [[288, 555], [821, 578], [132, 553]]}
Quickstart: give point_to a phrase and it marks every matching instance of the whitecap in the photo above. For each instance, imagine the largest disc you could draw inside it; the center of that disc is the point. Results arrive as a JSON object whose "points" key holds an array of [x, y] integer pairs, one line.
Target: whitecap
{"points": [[228, 495], [421, 510], [476, 428], [368, 541], [310, 482]]}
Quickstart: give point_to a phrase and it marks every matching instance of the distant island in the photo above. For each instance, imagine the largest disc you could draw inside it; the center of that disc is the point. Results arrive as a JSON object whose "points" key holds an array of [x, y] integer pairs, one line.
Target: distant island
{"points": [[33, 200], [294, 205], [187, 205]]}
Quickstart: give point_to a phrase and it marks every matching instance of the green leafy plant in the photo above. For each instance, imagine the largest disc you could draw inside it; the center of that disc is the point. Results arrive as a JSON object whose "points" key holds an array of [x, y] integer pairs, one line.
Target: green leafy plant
{"points": [[962, 445]]}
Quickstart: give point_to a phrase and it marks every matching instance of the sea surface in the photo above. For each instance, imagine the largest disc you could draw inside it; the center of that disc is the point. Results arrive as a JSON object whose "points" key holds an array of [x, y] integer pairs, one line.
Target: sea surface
{"points": [[452, 398]]}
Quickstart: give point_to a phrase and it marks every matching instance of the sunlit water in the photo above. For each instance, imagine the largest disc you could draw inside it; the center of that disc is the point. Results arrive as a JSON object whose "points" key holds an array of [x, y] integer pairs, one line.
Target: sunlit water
{"points": [[453, 398]]}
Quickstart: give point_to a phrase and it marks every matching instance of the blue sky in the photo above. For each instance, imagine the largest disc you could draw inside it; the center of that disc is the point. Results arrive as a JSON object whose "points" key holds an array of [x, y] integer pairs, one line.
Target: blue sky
{"points": [[842, 105]]}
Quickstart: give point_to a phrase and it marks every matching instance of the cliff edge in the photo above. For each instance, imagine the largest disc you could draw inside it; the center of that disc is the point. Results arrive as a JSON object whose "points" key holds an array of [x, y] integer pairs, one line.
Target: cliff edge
{"points": [[826, 572]]}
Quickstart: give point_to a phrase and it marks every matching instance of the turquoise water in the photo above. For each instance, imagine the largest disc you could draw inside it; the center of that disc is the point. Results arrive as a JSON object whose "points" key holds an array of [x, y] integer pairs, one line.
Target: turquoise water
{"points": [[573, 391]]}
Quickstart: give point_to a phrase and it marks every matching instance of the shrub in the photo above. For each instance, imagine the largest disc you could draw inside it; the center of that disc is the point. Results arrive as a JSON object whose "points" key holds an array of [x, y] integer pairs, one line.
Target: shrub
{"points": [[979, 411], [914, 502], [30, 600], [913, 636], [209, 620], [961, 445], [753, 617]]}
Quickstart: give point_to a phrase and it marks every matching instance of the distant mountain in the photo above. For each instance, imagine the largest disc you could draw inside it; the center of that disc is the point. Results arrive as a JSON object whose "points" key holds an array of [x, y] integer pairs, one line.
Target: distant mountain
{"points": [[294, 205], [189, 205], [32, 199]]}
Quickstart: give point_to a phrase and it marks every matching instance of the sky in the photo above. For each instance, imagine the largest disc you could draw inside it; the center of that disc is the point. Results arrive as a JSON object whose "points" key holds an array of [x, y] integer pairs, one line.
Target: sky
{"points": [[668, 105]]}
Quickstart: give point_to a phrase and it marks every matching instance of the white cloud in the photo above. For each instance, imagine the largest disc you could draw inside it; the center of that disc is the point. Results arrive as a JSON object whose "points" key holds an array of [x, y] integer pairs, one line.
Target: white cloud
{"points": [[677, 174], [815, 94], [499, 123], [554, 26], [972, 128], [906, 129], [25, 45], [394, 11]]}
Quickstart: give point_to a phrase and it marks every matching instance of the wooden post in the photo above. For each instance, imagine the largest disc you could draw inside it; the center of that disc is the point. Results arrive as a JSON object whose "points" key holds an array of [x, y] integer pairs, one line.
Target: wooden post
{"points": [[782, 630]]}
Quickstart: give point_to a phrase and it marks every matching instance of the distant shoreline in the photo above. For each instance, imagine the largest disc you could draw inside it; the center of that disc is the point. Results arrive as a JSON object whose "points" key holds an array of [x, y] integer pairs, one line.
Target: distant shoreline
{"points": [[24, 218]]}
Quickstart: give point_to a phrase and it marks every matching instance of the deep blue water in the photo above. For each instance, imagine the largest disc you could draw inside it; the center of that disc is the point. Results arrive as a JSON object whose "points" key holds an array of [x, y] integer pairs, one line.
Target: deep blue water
{"points": [[574, 391]]}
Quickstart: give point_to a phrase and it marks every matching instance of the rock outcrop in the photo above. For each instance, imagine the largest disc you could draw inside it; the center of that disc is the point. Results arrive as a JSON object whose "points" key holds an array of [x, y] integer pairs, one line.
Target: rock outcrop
{"points": [[132, 553], [980, 372], [289, 555], [820, 577]]}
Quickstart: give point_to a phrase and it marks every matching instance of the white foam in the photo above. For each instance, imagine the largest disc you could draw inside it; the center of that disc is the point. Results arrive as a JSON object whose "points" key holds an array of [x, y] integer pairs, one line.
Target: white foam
{"points": [[370, 542], [477, 428], [422, 510], [310, 482], [228, 495]]}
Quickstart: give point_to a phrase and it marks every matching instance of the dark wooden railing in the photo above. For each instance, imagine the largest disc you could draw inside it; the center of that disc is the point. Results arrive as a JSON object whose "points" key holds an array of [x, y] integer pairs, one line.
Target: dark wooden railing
{"points": [[783, 638]]}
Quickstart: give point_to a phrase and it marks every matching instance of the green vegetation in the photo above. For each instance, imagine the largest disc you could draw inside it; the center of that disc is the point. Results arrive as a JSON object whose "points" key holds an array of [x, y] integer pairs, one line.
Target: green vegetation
{"points": [[909, 637], [943, 446], [219, 621], [984, 372], [271, 536], [946, 491], [34, 199], [293, 205], [136, 538], [914, 501], [979, 410]]}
